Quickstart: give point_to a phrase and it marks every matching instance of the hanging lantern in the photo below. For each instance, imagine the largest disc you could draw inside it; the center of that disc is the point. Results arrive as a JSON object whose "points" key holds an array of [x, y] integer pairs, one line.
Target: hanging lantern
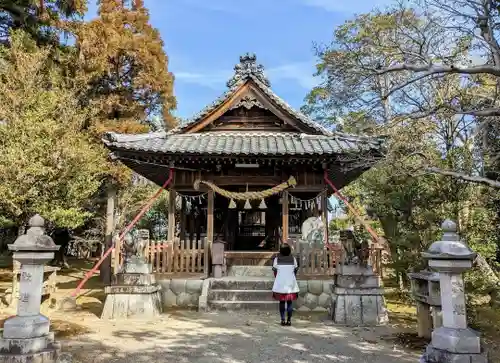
{"points": [[232, 204], [262, 204], [247, 205]]}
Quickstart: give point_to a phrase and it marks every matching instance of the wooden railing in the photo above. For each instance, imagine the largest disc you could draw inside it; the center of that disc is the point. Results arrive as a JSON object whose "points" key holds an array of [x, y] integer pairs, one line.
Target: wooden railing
{"points": [[314, 262], [317, 262], [322, 262], [178, 256]]}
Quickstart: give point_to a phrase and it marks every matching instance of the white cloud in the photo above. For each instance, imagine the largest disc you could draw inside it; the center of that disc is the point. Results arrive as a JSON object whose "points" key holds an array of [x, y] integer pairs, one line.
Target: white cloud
{"points": [[215, 80], [299, 72], [347, 6]]}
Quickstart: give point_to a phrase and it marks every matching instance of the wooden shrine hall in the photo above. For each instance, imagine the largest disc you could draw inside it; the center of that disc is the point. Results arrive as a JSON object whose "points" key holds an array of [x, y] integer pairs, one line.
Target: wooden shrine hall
{"points": [[248, 140]]}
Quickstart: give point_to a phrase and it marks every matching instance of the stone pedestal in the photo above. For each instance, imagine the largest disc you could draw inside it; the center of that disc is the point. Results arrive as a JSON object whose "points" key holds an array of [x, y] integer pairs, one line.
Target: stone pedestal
{"points": [[358, 297], [134, 292], [453, 342], [26, 336]]}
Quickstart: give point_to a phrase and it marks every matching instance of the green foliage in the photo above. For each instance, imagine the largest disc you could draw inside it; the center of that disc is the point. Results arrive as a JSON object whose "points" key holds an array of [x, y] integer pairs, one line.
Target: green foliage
{"points": [[409, 202], [48, 165], [44, 20], [338, 224]]}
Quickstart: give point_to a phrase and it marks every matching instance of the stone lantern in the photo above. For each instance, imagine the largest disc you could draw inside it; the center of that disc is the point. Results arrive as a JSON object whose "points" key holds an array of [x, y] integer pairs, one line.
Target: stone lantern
{"points": [[454, 341], [26, 335]]}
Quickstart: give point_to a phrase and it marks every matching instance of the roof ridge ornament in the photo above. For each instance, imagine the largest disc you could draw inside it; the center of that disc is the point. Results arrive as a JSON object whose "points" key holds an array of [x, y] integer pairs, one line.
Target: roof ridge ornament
{"points": [[246, 68]]}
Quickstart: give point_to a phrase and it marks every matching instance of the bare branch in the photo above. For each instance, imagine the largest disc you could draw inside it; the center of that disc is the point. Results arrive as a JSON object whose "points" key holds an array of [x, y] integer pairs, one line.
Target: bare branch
{"points": [[465, 177], [431, 69]]}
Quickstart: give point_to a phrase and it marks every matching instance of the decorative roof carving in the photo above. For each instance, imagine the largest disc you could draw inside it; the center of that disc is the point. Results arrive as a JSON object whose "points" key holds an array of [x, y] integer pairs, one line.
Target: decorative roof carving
{"points": [[248, 67], [248, 101]]}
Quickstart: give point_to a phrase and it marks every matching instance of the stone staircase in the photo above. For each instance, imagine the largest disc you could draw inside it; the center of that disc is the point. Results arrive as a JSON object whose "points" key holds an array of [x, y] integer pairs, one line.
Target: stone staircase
{"points": [[245, 288]]}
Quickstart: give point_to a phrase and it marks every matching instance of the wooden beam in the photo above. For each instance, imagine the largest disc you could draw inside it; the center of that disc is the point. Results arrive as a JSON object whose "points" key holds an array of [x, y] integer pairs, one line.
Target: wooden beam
{"points": [[219, 111], [244, 180], [171, 215], [285, 216]]}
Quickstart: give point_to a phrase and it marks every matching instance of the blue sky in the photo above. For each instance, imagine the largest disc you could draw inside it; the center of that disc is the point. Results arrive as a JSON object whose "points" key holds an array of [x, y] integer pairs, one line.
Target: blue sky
{"points": [[204, 39]]}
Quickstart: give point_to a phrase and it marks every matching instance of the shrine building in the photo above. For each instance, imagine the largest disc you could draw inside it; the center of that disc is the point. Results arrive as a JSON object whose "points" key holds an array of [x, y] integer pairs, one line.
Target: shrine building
{"points": [[248, 140]]}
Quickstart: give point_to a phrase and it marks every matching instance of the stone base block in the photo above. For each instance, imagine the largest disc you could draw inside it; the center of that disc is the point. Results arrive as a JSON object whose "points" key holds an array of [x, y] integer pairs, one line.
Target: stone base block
{"points": [[357, 281], [133, 279], [460, 341], [434, 355], [27, 345], [359, 309], [21, 327], [137, 303], [357, 270], [131, 290], [33, 350]]}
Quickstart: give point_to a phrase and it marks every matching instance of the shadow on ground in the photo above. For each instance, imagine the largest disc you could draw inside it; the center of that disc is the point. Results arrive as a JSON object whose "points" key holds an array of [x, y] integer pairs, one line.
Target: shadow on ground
{"points": [[227, 338]]}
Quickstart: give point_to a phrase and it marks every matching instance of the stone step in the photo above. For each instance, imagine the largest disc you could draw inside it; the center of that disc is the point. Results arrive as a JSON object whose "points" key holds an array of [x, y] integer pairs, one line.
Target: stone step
{"points": [[219, 305], [250, 271], [240, 295], [242, 284]]}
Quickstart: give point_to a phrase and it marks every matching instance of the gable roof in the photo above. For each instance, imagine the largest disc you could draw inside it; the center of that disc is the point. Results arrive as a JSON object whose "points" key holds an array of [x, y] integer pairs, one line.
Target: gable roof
{"points": [[244, 72], [310, 139], [244, 144]]}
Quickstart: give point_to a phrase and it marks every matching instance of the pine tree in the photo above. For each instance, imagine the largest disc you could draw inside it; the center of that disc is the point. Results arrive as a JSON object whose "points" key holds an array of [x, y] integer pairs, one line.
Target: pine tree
{"points": [[125, 66]]}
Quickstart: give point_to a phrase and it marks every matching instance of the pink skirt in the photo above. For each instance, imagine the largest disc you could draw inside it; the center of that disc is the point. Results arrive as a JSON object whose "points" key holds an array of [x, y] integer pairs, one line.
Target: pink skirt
{"points": [[285, 297]]}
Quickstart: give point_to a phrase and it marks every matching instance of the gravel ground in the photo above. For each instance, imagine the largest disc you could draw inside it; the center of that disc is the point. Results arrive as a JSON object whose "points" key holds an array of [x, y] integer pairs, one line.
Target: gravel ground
{"points": [[229, 338]]}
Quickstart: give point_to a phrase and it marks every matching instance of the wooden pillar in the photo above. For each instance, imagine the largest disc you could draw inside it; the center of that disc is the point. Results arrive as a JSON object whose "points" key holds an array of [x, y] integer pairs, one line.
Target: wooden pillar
{"points": [[324, 214], [183, 220], [210, 217], [285, 216], [210, 230], [171, 215], [105, 268]]}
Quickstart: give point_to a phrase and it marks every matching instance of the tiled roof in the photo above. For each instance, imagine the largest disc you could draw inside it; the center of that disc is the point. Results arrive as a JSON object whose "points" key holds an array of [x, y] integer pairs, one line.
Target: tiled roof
{"points": [[245, 70], [242, 143]]}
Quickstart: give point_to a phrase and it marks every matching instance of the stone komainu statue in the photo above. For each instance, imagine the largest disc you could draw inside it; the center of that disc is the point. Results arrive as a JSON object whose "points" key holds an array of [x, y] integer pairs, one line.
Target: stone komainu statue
{"points": [[355, 250]]}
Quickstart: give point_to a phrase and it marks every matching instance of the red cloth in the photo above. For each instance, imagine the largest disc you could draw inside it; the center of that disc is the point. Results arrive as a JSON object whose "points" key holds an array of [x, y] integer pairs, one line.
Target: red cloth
{"points": [[285, 297]]}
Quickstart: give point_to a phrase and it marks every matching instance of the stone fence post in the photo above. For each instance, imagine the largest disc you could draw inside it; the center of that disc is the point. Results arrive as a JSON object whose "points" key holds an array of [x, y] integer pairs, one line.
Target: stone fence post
{"points": [[26, 336], [218, 259], [454, 341]]}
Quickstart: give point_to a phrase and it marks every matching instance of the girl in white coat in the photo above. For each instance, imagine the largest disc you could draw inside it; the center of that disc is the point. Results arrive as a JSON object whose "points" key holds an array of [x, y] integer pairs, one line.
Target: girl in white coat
{"points": [[285, 288]]}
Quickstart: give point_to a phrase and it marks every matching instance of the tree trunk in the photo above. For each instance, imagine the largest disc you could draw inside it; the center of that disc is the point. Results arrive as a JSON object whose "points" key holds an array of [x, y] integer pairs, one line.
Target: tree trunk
{"points": [[490, 277], [61, 237]]}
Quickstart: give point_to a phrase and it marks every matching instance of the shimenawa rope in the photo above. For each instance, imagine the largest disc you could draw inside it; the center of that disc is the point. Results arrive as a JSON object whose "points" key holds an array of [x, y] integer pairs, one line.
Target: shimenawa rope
{"points": [[291, 182]]}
